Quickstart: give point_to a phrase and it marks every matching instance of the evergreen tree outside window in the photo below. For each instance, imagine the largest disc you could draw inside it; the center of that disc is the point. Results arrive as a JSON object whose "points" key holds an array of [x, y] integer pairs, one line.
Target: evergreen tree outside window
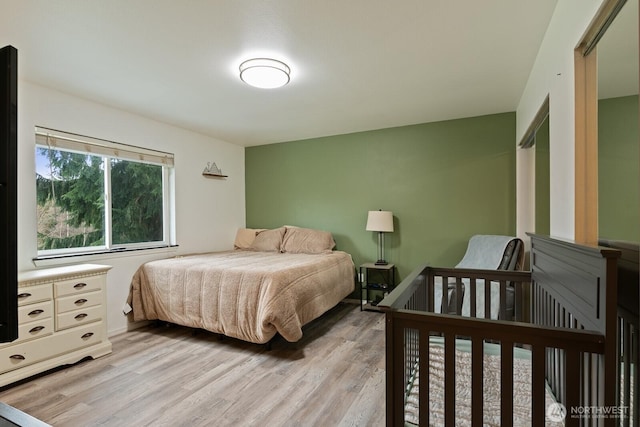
{"points": [[136, 207], [95, 195]]}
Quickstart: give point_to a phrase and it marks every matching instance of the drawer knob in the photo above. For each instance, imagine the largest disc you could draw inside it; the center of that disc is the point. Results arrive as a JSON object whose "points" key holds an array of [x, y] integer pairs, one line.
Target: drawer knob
{"points": [[36, 312], [36, 329], [24, 295], [80, 316], [87, 335], [80, 301], [17, 357], [79, 285]]}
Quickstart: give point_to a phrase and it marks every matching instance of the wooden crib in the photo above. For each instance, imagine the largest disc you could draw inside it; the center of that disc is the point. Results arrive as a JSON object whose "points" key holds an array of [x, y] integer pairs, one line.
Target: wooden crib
{"points": [[570, 331]]}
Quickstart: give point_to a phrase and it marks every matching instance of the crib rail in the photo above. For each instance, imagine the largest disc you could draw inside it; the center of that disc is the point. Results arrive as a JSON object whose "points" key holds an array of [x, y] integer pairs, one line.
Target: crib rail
{"points": [[567, 338], [410, 316], [411, 327], [416, 292]]}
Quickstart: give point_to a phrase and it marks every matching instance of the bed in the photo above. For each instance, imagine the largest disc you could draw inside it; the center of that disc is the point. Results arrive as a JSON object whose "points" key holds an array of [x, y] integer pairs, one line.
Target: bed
{"points": [[272, 282], [560, 362]]}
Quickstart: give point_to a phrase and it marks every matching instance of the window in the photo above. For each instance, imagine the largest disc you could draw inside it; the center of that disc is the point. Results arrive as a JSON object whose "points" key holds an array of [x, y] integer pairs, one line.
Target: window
{"points": [[95, 195]]}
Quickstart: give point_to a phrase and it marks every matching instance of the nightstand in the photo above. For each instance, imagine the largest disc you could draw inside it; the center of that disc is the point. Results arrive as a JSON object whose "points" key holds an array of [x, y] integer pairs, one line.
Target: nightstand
{"points": [[376, 281]]}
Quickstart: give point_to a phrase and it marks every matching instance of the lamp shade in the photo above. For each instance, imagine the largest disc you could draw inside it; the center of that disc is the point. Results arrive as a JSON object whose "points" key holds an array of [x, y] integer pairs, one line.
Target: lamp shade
{"points": [[380, 221]]}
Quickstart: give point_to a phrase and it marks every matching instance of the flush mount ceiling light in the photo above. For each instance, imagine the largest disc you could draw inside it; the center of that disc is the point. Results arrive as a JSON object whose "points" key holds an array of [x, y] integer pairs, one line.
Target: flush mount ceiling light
{"points": [[264, 73]]}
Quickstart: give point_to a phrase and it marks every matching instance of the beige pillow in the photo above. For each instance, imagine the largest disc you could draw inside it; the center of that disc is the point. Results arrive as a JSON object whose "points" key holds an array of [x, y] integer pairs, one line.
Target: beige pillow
{"points": [[268, 240], [245, 237], [299, 240]]}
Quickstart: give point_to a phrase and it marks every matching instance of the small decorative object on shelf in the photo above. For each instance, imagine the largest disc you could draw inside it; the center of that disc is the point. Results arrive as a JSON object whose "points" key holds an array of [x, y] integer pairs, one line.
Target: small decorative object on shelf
{"points": [[213, 170]]}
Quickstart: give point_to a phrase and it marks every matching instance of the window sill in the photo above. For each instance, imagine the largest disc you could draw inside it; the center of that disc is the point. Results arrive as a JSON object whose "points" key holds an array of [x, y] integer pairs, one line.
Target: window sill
{"points": [[52, 260]]}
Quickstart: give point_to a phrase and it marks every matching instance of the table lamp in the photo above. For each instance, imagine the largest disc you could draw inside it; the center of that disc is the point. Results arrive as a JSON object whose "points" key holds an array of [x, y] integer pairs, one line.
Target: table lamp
{"points": [[382, 222]]}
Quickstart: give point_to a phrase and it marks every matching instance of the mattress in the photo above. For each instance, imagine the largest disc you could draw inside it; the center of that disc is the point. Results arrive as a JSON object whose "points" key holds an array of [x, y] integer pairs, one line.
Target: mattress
{"points": [[243, 294]]}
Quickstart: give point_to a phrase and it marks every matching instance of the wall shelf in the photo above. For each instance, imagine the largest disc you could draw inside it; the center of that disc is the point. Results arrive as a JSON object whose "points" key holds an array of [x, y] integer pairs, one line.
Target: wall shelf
{"points": [[213, 171], [214, 175]]}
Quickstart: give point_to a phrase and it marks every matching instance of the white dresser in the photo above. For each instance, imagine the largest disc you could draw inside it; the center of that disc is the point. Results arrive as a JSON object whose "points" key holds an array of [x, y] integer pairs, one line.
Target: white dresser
{"points": [[62, 318]]}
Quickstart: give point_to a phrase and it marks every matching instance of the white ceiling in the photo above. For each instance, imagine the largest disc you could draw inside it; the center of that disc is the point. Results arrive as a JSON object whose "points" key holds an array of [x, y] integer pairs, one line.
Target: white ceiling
{"points": [[356, 64]]}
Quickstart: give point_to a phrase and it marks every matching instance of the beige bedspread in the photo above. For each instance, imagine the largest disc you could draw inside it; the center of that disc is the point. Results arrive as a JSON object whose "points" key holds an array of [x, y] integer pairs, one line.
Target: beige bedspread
{"points": [[242, 294]]}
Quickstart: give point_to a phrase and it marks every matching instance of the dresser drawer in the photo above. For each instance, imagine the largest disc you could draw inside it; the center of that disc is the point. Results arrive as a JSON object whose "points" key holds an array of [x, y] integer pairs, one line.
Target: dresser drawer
{"points": [[37, 311], [76, 286], [31, 294], [78, 317], [31, 330], [15, 357], [74, 302]]}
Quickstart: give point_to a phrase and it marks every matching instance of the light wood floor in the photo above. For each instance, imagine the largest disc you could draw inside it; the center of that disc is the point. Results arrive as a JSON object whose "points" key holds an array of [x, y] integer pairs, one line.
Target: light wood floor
{"points": [[171, 376]]}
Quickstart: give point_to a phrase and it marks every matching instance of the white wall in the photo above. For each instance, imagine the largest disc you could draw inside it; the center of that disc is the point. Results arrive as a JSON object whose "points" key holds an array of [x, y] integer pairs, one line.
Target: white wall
{"points": [[208, 211], [553, 75]]}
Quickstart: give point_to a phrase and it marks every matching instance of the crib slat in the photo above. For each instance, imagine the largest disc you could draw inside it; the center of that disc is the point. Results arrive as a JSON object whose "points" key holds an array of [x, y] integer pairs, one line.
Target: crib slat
{"points": [[538, 412], [562, 361], [572, 393], [423, 292], [449, 380], [430, 293], [541, 300], [518, 314], [629, 362], [444, 306], [626, 365], [534, 307], [551, 368], [634, 410], [591, 375], [598, 390], [477, 372], [503, 300], [561, 355], [586, 379], [472, 297], [506, 384], [423, 391], [459, 295], [550, 363], [395, 407], [487, 299]]}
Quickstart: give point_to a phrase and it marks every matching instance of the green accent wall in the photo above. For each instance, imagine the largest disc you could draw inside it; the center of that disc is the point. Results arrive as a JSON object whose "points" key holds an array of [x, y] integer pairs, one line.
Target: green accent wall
{"points": [[618, 176], [443, 181]]}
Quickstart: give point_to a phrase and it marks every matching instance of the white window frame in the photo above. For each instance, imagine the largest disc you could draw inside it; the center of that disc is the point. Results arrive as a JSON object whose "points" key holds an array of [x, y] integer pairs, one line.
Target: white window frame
{"points": [[55, 139]]}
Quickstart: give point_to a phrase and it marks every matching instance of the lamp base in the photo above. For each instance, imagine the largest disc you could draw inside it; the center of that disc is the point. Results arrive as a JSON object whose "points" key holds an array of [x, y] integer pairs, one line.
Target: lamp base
{"points": [[381, 262]]}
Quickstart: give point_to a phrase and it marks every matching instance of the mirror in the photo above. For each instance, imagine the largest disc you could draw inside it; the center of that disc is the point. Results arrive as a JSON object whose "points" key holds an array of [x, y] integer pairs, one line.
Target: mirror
{"points": [[536, 161], [618, 148], [542, 181]]}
